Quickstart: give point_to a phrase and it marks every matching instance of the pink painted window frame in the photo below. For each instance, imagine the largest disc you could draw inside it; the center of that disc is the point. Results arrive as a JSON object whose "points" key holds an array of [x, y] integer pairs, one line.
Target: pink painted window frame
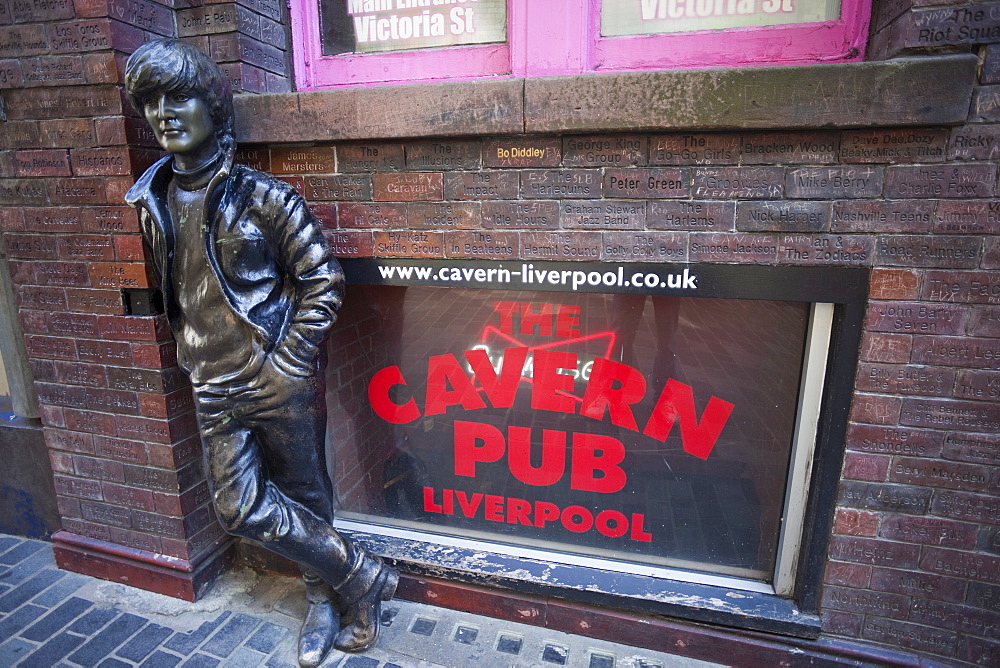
{"points": [[566, 40]]}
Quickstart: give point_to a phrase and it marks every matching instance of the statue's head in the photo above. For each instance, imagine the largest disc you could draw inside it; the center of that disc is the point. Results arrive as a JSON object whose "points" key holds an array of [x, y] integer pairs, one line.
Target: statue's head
{"points": [[183, 94]]}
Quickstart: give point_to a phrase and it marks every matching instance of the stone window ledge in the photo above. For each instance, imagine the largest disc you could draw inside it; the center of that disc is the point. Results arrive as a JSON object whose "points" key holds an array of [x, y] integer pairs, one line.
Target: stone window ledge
{"points": [[902, 92]]}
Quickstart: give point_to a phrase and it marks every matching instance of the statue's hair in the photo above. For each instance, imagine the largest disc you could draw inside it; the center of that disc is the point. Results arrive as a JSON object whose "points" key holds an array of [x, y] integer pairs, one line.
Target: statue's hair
{"points": [[171, 66]]}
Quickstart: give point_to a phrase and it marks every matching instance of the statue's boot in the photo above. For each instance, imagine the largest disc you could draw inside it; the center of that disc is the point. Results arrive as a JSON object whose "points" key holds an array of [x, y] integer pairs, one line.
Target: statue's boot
{"points": [[361, 594], [320, 627]]}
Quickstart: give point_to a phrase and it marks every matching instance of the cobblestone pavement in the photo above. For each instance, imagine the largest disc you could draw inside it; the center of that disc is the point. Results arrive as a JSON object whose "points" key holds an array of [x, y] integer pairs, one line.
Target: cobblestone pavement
{"points": [[49, 617]]}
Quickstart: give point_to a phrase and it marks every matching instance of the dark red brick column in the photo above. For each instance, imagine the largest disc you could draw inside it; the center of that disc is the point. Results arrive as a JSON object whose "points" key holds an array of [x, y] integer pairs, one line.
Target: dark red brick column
{"points": [[116, 410]]}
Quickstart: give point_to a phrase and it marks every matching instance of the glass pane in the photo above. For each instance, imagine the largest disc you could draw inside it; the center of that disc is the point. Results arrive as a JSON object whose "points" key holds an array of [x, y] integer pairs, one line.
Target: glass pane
{"points": [[642, 17], [368, 26], [504, 442]]}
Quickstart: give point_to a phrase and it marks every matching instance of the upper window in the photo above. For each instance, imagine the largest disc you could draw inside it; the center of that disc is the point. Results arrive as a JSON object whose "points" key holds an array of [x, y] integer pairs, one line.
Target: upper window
{"points": [[357, 42]]}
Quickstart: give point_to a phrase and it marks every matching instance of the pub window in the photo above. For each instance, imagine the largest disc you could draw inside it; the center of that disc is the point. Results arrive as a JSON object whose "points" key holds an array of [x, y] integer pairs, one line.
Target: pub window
{"points": [[652, 420], [359, 42]]}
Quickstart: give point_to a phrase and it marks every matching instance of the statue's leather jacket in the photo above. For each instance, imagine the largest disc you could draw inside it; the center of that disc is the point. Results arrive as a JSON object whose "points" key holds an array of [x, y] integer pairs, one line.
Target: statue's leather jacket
{"points": [[265, 248]]}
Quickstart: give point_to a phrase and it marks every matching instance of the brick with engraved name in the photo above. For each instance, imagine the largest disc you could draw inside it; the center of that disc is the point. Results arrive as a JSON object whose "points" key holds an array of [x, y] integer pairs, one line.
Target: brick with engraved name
{"points": [[947, 26], [33, 11], [61, 395], [481, 185], [119, 275], [834, 182], [919, 637], [154, 430], [79, 373], [951, 414], [350, 243], [104, 352], [76, 191], [975, 142], [885, 497], [893, 440], [880, 604], [107, 513], [694, 149], [212, 19], [959, 351], [916, 318], [906, 379], [947, 181], [302, 159], [146, 380], [739, 182], [750, 248], [945, 475], [89, 421], [22, 192], [68, 133], [120, 449], [960, 618], [443, 215], [783, 216], [647, 183], [11, 219], [75, 324], [928, 530], [30, 296], [166, 406], [112, 401], [967, 506], [782, 148], [47, 162], [706, 216], [437, 155], [874, 552], [370, 157], [977, 287], [826, 249], [486, 245], [975, 448], [924, 251], [520, 215], [329, 187], [602, 215], [30, 246], [978, 384], [72, 274], [371, 215], [133, 328], [564, 183], [980, 567], [921, 585], [52, 71], [645, 246], [78, 487], [23, 40], [605, 151], [20, 134], [85, 247], [559, 246], [141, 14], [103, 219], [849, 522], [985, 104], [254, 157], [88, 529], [63, 102], [98, 469], [913, 216], [522, 152], [893, 146], [407, 187], [409, 244], [128, 497], [967, 217]]}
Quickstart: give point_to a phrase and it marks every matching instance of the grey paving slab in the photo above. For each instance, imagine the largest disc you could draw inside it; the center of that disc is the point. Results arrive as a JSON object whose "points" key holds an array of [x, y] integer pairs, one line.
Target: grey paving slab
{"points": [[25, 568], [54, 650], [14, 650], [144, 642], [250, 620], [48, 625], [23, 592], [105, 642], [7, 542], [61, 590], [161, 659], [21, 551], [229, 637], [11, 624]]}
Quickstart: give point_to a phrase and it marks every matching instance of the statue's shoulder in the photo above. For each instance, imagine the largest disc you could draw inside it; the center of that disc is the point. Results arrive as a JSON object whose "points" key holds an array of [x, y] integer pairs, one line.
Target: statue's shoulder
{"points": [[157, 173]]}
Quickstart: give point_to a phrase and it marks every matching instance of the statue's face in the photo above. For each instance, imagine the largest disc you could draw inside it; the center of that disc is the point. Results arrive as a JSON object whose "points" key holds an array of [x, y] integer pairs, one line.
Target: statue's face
{"points": [[182, 124]]}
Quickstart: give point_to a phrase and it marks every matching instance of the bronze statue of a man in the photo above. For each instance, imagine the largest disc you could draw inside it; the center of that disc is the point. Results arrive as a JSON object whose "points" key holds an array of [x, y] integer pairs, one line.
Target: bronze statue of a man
{"points": [[250, 290]]}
